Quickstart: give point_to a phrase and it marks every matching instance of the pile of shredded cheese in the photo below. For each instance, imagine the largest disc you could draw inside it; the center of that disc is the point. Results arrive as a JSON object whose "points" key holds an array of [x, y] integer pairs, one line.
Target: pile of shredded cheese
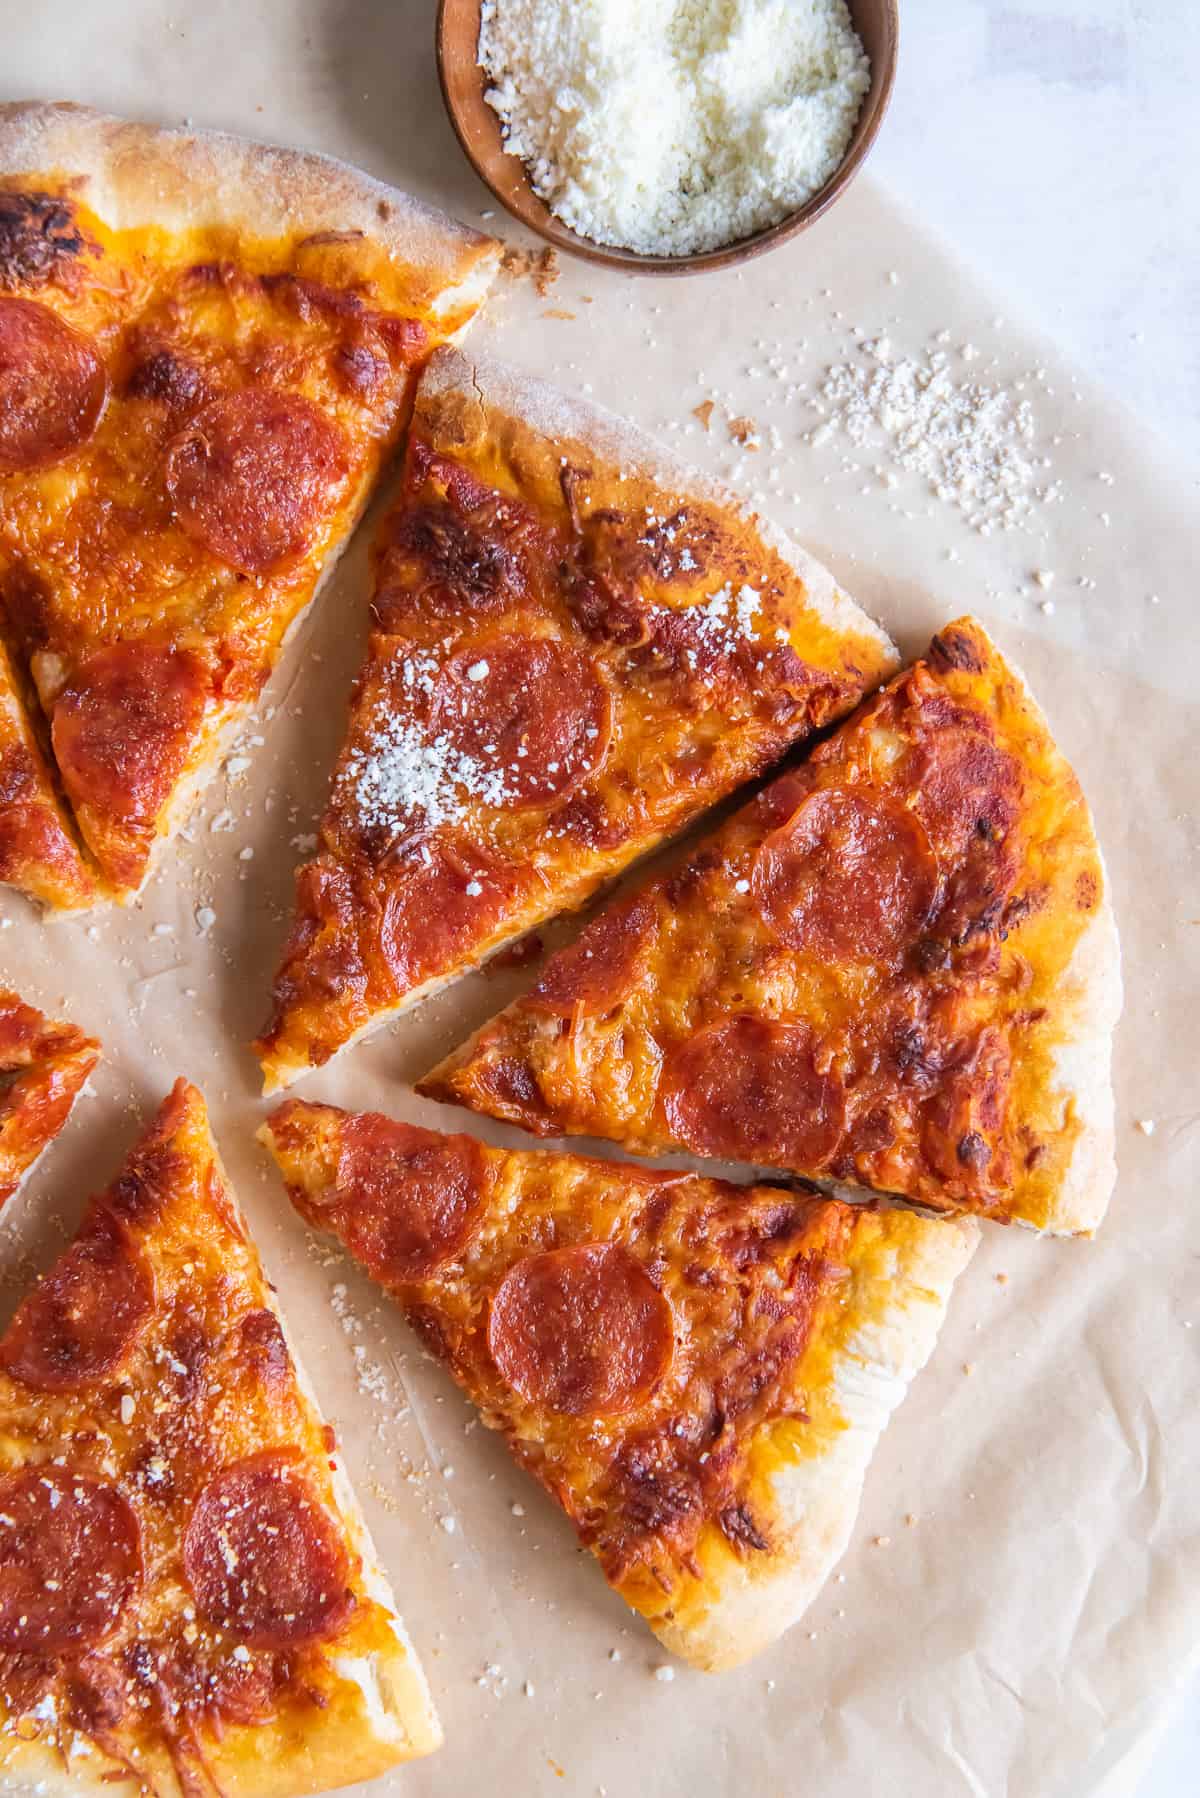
{"points": [[674, 126], [974, 443]]}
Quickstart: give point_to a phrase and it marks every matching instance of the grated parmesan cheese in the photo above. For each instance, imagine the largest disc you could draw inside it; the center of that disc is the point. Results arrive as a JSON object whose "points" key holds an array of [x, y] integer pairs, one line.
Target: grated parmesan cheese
{"points": [[974, 444], [674, 126], [404, 773]]}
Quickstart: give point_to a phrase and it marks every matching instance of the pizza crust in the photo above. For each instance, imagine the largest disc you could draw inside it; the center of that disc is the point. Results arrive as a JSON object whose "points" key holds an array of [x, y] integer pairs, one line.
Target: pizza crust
{"points": [[1087, 995], [809, 1503], [180, 179], [1092, 994], [465, 387]]}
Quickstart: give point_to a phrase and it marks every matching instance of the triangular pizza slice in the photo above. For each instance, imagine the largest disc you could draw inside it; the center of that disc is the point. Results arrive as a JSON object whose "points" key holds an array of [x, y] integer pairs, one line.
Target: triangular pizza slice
{"points": [[207, 348], [578, 644], [44, 1066], [190, 1605], [696, 1372], [39, 853], [896, 967]]}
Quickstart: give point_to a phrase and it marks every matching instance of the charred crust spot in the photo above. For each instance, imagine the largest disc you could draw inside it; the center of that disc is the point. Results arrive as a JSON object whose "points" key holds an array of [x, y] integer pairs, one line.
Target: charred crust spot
{"points": [[145, 1189], [973, 1150], [359, 368], [953, 649], [931, 956], [27, 604], [513, 1082], [39, 238], [262, 1344], [164, 376], [739, 1528], [1087, 889]]}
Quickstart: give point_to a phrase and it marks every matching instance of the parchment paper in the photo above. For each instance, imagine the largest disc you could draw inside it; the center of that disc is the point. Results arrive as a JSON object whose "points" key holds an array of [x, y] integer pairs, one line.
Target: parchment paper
{"points": [[1021, 1636]]}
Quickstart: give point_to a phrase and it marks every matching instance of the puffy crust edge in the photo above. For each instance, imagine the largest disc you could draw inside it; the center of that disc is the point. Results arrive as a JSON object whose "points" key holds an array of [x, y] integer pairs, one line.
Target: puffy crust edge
{"points": [[1088, 999], [180, 179], [1093, 996], [810, 1502], [490, 387]]}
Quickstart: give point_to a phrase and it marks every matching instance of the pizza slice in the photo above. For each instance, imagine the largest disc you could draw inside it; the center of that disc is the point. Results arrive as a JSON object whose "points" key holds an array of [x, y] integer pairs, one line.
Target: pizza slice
{"points": [[696, 1372], [896, 967], [190, 1605], [44, 1066], [38, 850], [578, 644], [207, 348]]}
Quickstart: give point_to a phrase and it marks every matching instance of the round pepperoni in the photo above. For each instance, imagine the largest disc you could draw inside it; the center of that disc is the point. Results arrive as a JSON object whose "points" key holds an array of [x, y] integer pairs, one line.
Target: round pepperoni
{"points": [[70, 1560], [407, 1198], [582, 1330], [52, 386], [123, 727], [263, 1556], [851, 876], [597, 970], [78, 1324], [966, 787], [750, 1090], [532, 713], [253, 474]]}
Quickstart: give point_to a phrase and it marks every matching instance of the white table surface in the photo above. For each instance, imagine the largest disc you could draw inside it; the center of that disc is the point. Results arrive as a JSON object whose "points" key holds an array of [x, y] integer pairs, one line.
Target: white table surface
{"points": [[1070, 187]]}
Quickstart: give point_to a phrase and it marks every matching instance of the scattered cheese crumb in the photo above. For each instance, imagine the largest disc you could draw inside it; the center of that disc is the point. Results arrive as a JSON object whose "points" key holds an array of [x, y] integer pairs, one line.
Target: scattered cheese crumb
{"points": [[1146, 1126], [664, 1674]]}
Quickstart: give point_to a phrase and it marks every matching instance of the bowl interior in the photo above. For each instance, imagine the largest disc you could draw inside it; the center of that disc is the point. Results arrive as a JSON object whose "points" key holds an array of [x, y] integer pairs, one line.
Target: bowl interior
{"points": [[478, 131]]}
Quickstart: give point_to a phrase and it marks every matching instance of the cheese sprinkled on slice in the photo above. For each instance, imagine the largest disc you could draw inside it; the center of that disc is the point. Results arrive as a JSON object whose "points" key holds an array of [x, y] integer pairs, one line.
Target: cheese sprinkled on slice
{"points": [[405, 776]]}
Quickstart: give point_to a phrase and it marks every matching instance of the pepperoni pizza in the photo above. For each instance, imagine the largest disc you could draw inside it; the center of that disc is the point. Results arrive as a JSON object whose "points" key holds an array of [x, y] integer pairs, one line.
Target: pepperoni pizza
{"points": [[577, 646], [696, 1372], [190, 1606], [44, 1066], [206, 350], [896, 967]]}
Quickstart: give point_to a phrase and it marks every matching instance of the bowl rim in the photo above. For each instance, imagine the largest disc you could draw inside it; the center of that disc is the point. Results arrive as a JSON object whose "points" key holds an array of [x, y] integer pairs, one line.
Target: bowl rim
{"points": [[744, 249]]}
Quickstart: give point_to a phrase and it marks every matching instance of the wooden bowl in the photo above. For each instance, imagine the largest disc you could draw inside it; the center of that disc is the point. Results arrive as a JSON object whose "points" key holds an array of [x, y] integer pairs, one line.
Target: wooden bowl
{"points": [[478, 131]]}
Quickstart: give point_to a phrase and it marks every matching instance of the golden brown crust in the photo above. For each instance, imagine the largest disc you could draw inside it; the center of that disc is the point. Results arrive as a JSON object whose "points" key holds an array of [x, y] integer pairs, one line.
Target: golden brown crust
{"points": [[808, 1487], [196, 452], [696, 1372], [176, 1386], [181, 180], [578, 645], [909, 940]]}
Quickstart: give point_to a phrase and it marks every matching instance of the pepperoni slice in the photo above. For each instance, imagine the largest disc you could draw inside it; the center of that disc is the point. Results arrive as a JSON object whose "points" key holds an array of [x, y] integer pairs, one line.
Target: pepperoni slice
{"points": [[124, 725], [79, 1323], [253, 474], [533, 714], [407, 1198], [597, 970], [263, 1557], [70, 1560], [966, 787], [750, 1090], [851, 876], [583, 1330], [52, 386]]}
